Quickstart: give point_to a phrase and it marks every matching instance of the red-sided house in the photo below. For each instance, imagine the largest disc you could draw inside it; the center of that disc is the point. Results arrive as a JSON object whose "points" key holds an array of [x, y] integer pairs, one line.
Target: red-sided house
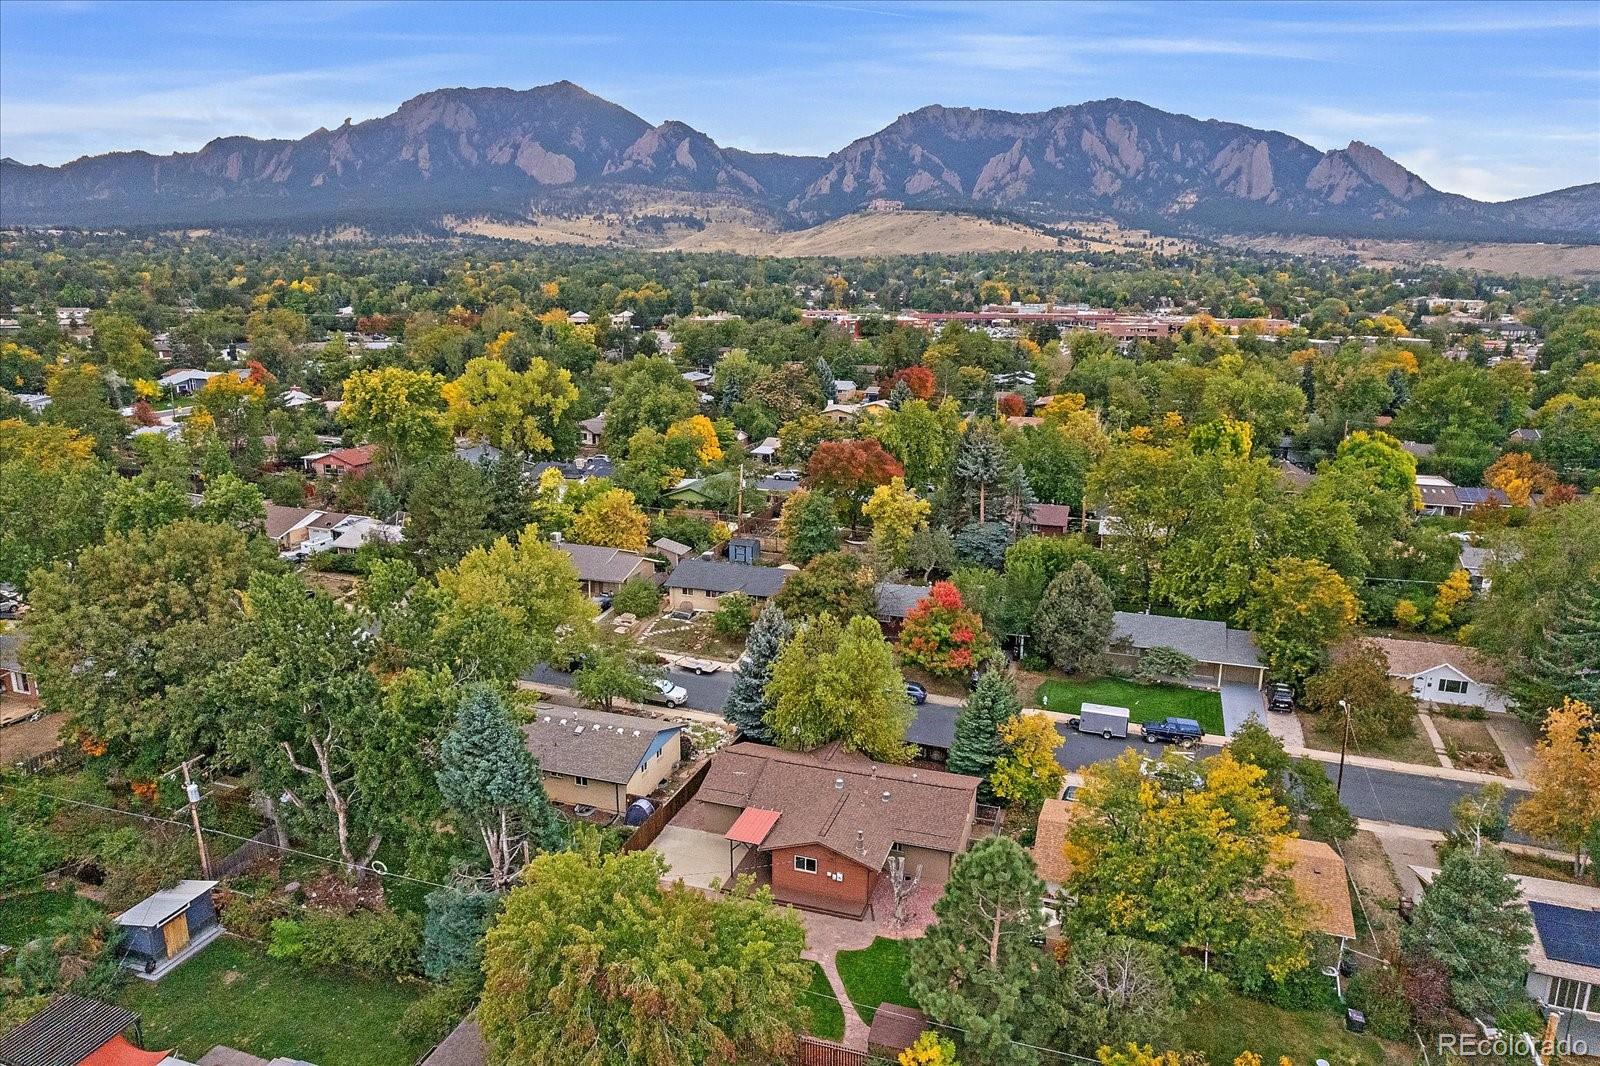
{"points": [[822, 825]]}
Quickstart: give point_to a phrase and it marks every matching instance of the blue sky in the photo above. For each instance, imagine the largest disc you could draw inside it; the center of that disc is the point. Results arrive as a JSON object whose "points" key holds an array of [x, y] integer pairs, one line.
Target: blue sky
{"points": [[1492, 100]]}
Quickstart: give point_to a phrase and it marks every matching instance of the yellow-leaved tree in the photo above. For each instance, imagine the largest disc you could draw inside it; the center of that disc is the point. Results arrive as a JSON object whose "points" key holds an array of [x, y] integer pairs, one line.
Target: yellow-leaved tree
{"points": [[613, 520], [698, 429], [1453, 591], [1026, 773], [931, 1049], [1565, 806]]}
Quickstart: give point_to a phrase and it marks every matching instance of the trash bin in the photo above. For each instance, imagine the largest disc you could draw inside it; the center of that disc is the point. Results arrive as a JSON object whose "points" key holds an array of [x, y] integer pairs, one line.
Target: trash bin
{"points": [[1355, 1021]]}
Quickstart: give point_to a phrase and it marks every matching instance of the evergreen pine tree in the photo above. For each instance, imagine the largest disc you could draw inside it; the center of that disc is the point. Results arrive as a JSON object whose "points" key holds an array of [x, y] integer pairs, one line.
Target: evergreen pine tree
{"points": [[1567, 663], [509, 495], [981, 466], [1019, 500], [899, 394], [981, 968], [487, 776], [1073, 621], [977, 741], [747, 698], [1472, 923], [825, 378]]}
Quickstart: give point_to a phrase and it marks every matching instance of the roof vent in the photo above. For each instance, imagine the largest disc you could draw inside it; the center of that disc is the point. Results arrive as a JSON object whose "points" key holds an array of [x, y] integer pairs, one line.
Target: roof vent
{"points": [[838, 782], [886, 796], [578, 730], [563, 721]]}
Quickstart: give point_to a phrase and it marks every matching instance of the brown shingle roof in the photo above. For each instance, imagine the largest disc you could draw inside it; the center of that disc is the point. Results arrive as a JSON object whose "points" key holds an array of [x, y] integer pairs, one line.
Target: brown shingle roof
{"points": [[281, 520], [594, 744], [845, 802], [1408, 658], [1320, 882], [1050, 840]]}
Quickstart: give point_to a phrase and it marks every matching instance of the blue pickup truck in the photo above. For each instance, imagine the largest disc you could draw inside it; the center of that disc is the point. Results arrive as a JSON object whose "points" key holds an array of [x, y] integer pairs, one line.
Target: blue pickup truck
{"points": [[1184, 731]]}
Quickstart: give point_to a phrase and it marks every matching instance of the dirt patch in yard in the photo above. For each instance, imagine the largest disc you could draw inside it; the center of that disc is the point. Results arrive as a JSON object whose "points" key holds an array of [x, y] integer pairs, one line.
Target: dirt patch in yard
{"points": [[696, 637], [1323, 734], [1377, 894], [26, 739], [1470, 745]]}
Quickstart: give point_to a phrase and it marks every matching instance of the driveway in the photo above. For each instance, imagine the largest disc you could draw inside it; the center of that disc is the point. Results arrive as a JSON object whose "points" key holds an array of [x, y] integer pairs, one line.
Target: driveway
{"points": [[693, 856], [706, 693], [1240, 703]]}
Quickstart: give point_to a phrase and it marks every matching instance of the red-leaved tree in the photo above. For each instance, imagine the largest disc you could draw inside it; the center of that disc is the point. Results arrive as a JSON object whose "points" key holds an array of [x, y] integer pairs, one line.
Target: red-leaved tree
{"points": [[918, 379], [942, 634], [1011, 405], [849, 470]]}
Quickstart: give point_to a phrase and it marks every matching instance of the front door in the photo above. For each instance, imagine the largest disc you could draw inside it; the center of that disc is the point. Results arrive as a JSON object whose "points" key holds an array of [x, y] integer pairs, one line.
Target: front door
{"points": [[176, 933]]}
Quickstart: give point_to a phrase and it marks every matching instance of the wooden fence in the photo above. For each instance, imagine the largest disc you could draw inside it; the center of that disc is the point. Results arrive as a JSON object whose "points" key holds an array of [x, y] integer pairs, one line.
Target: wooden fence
{"points": [[253, 850], [815, 1051], [651, 827], [62, 755]]}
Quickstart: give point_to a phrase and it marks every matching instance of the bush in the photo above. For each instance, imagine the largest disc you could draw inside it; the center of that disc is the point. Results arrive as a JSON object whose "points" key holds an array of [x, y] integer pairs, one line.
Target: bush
{"points": [[452, 934], [375, 943], [638, 595], [734, 616], [77, 953], [1163, 664], [1305, 989], [430, 1019], [136, 864], [252, 916], [1379, 993]]}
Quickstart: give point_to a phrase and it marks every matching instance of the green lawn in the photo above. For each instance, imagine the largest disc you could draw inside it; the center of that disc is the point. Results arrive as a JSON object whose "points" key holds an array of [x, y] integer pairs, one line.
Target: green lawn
{"points": [[24, 916], [827, 1017], [876, 974], [1224, 1027], [232, 993], [1148, 703]]}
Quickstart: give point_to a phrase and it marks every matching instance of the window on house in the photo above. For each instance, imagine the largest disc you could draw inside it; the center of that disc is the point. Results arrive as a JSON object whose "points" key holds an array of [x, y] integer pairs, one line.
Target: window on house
{"points": [[1571, 995], [1450, 684], [805, 864], [897, 849], [580, 780]]}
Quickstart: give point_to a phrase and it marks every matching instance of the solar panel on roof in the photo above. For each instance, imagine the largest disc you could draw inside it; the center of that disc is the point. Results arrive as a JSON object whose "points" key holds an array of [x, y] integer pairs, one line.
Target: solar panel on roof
{"points": [[1567, 933]]}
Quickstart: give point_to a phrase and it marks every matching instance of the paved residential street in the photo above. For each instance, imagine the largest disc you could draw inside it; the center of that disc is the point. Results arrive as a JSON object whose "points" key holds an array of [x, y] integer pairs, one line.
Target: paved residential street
{"points": [[1379, 795]]}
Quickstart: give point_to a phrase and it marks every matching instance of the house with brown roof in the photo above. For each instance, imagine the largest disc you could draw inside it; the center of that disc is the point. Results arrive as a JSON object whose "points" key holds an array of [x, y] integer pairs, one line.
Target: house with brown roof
{"points": [[603, 570], [821, 826], [1050, 842], [599, 759], [341, 462], [1050, 519], [1320, 882], [1436, 672]]}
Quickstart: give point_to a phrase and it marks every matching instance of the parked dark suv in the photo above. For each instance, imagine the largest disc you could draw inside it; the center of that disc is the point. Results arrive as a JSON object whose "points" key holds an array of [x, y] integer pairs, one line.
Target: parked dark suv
{"points": [[1281, 699], [1185, 731]]}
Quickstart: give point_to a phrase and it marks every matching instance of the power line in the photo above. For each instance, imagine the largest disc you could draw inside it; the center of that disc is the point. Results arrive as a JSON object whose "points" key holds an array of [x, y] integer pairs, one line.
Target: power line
{"points": [[221, 833]]}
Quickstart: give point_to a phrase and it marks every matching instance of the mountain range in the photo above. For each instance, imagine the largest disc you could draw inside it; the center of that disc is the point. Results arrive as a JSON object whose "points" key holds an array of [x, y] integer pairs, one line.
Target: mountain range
{"points": [[514, 154]]}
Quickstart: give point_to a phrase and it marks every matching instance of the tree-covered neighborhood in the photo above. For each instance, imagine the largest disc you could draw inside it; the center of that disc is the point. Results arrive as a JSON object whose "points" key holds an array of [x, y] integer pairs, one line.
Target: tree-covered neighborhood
{"points": [[460, 651]]}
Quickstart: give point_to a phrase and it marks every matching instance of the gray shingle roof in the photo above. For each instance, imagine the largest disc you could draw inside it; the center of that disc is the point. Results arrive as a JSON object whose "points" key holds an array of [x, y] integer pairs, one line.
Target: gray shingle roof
{"points": [[720, 577], [613, 565], [10, 651], [896, 601], [594, 744], [1202, 640]]}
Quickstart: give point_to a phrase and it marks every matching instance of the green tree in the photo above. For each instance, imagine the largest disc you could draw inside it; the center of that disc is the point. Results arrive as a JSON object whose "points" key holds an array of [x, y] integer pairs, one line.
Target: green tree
{"points": [[980, 968], [515, 411], [229, 500], [835, 582], [747, 705], [1300, 785], [1298, 609], [81, 399], [1189, 860], [1119, 991], [648, 392], [299, 700], [146, 503], [401, 411], [66, 488], [452, 932], [156, 613], [1358, 678], [609, 674], [833, 682], [1480, 818], [1473, 923], [977, 744], [592, 963], [1073, 623], [895, 513], [981, 466], [923, 438], [447, 512], [490, 780]]}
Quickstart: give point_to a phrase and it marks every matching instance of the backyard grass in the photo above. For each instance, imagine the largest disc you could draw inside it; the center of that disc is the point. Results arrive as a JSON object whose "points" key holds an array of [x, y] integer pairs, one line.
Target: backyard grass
{"points": [[24, 916], [1147, 703], [232, 993], [827, 1017], [1225, 1027], [876, 974]]}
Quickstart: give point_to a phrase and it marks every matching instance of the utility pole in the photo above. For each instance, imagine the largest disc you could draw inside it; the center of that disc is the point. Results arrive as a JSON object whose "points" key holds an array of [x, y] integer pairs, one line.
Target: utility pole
{"points": [[191, 791], [1344, 742]]}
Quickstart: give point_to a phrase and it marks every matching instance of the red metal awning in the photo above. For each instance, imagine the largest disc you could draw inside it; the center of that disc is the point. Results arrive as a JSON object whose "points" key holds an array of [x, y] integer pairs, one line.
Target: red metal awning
{"points": [[119, 1052], [752, 826]]}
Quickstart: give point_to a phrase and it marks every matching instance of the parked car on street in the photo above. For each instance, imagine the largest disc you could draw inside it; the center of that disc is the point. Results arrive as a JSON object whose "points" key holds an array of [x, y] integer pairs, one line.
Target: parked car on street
{"points": [[664, 691], [918, 694], [1185, 731], [1281, 699]]}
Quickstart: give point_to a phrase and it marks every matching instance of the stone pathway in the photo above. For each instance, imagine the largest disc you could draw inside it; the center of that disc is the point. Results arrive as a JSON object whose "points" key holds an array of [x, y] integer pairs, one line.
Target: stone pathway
{"points": [[855, 1030], [1436, 740]]}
